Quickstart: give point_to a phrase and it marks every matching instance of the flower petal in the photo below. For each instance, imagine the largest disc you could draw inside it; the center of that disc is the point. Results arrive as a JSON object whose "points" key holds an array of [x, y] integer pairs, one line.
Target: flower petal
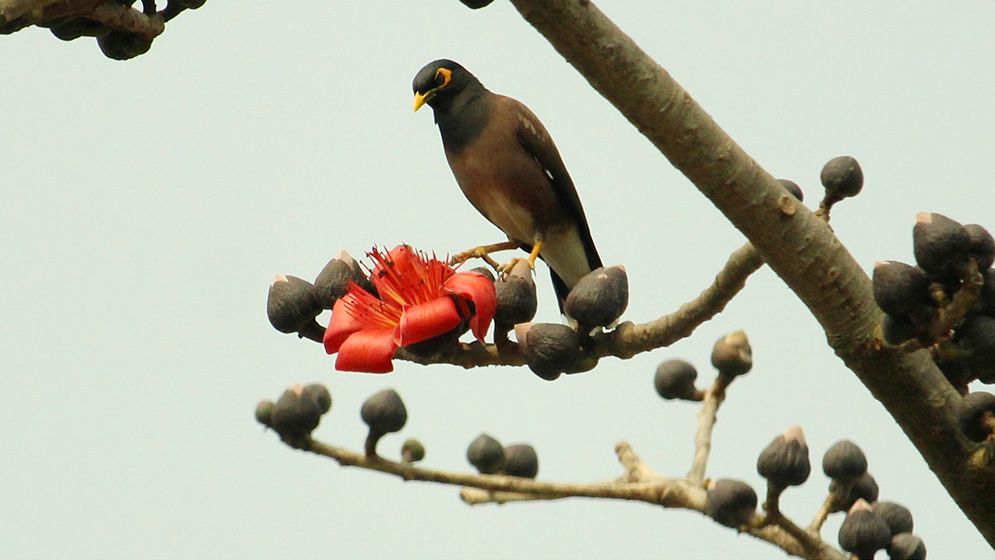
{"points": [[480, 290], [340, 327], [427, 320], [367, 351]]}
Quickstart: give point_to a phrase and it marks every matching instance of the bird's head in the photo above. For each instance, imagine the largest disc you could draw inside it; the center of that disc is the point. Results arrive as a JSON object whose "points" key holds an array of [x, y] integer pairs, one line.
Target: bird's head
{"points": [[439, 82]]}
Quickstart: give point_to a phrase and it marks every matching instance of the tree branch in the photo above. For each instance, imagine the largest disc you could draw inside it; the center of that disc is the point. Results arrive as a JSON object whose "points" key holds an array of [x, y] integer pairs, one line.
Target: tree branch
{"points": [[627, 339], [640, 483], [797, 245]]}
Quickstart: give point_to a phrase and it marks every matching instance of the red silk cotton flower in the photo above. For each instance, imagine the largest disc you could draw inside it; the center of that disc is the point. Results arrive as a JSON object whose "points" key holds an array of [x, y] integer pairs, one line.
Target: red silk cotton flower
{"points": [[419, 298]]}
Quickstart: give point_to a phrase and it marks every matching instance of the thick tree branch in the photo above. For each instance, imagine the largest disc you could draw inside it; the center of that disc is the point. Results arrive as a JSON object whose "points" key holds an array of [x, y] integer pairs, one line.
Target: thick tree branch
{"points": [[109, 12], [797, 245]]}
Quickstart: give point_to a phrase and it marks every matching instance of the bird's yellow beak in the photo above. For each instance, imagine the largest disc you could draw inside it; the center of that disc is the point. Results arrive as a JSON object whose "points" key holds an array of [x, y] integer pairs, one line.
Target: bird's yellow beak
{"points": [[421, 98]]}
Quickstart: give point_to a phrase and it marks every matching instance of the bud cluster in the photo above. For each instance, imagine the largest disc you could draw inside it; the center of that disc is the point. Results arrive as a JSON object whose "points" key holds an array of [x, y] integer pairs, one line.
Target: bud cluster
{"points": [[940, 302], [488, 456]]}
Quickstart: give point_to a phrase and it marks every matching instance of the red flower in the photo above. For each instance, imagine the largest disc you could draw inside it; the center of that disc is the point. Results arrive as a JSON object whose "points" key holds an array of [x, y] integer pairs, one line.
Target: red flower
{"points": [[420, 298]]}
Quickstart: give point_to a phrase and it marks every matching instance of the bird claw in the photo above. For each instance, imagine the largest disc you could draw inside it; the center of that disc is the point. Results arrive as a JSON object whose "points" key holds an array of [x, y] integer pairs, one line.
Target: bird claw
{"points": [[475, 253], [506, 269]]}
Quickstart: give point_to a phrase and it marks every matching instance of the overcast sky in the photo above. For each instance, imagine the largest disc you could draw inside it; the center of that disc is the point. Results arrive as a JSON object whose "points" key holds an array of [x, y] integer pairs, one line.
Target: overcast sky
{"points": [[147, 204]]}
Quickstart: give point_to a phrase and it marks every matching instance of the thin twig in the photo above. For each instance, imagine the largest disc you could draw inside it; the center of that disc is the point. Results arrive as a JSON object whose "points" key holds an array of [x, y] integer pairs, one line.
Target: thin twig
{"points": [[706, 423], [772, 506]]}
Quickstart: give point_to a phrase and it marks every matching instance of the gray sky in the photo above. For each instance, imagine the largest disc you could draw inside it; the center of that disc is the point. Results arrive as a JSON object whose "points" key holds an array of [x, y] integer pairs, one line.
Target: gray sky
{"points": [[147, 204]]}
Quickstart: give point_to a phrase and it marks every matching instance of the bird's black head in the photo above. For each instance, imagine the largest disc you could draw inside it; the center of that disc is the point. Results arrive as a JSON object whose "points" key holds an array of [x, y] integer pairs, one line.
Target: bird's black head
{"points": [[442, 81]]}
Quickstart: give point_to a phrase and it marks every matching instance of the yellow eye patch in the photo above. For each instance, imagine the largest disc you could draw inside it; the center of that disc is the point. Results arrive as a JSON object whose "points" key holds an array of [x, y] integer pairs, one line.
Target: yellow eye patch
{"points": [[446, 75]]}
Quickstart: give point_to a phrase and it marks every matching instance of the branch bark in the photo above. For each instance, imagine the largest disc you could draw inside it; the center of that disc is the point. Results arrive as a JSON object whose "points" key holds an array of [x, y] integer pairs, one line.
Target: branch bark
{"points": [[797, 245]]}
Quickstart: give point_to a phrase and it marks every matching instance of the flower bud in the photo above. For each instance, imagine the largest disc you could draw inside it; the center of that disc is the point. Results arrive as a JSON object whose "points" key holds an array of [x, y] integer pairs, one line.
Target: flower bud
{"points": [[732, 354], [982, 245], [384, 412], [291, 304], [785, 461], [975, 415], [599, 298], [897, 330], [521, 460], [674, 379], [844, 461], [333, 280], [906, 546], [899, 288], [320, 395], [793, 188], [987, 297], [549, 349], [842, 177], [730, 502], [122, 45], [941, 245], [864, 488], [296, 413], [897, 516], [485, 272], [863, 532], [77, 27], [486, 454], [976, 335], [264, 413], [476, 4], [412, 451], [516, 296]]}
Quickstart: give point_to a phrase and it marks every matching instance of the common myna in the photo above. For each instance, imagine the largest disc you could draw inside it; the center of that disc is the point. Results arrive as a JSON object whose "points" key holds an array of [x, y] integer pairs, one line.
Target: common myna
{"points": [[508, 167]]}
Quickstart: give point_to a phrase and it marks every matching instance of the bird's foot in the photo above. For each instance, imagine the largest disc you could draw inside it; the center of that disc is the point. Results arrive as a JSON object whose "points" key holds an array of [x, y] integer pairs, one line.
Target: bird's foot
{"points": [[505, 269], [475, 253]]}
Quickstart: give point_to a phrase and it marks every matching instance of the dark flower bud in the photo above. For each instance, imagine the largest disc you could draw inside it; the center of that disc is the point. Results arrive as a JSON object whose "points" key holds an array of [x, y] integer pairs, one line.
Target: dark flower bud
{"points": [[485, 272], [122, 45], [976, 335], [486, 454], [844, 461], [516, 296], [674, 379], [730, 502], [906, 546], [975, 415], [384, 413], [412, 451], [785, 461], [476, 4], [982, 245], [320, 395], [78, 27], [863, 532], [296, 414], [599, 298], [333, 280], [864, 488], [897, 516], [550, 348], [899, 288], [264, 413], [793, 188], [732, 354], [941, 245], [291, 304], [842, 177], [521, 460], [897, 330], [987, 296]]}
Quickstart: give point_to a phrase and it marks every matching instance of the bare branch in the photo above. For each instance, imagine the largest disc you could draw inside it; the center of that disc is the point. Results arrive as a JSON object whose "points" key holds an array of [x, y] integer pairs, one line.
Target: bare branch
{"points": [[706, 423]]}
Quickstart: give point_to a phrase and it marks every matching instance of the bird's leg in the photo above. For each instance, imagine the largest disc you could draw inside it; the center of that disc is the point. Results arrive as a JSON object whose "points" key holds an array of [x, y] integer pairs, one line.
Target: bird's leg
{"points": [[483, 252], [505, 268]]}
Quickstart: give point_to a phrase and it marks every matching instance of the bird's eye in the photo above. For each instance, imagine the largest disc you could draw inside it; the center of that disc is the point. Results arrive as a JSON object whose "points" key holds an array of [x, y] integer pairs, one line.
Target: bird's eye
{"points": [[442, 77]]}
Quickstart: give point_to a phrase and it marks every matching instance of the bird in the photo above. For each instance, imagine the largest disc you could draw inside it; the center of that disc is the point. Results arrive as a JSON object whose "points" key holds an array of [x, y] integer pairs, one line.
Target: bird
{"points": [[507, 165]]}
